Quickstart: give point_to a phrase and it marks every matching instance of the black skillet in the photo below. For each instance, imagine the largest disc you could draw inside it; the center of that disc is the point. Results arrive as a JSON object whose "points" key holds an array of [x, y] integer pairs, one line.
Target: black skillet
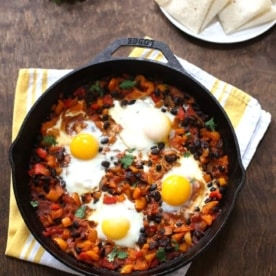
{"points": [[103, 65]]}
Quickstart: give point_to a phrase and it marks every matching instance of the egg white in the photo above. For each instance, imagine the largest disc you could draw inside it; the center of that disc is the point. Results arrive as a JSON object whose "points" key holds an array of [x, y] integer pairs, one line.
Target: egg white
{"points": [[188, 168], [125, 209], [143, 124], [84, 176]]}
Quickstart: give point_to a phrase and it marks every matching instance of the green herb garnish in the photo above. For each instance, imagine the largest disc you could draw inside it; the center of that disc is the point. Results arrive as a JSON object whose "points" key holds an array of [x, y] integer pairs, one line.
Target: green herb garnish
{"points": [[49, 140], [211, 124], [160, 254], [95, 88], [187, 154], [127, 160], [116, 253], [34, 203], [80, 213], [127, 84]]}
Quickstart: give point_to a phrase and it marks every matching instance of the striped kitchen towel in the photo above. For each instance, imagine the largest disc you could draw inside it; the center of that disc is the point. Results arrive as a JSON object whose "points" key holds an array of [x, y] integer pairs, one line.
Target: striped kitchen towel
{"points": [[246, 114]]}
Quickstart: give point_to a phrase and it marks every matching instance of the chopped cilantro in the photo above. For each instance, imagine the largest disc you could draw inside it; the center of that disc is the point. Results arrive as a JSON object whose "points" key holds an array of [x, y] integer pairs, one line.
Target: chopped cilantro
{"points": [[34, 203], [160, 254], [95, 88], [127, 84], [116, 253], [49, 140], [211, 124], [127, 160], [187, 154], [80, 213]]}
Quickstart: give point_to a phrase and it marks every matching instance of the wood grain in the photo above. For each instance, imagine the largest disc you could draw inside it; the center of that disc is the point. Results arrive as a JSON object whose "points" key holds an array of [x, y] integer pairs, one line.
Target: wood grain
{"points": [[39, 33]]}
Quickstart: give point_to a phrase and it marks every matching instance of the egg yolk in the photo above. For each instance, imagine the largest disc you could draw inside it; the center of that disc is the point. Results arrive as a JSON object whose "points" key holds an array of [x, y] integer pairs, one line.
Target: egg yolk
{"points": [[176, 190], [115, 228], [84, 146]]}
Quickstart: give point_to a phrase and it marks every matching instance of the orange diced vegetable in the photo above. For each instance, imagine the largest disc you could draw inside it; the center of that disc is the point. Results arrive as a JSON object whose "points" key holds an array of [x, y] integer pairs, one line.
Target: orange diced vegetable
{"points": [[61, 243]]}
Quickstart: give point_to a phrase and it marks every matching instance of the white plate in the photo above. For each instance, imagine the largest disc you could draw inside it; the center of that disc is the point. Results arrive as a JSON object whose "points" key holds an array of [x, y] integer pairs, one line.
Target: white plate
{"points": [[214, 31]]}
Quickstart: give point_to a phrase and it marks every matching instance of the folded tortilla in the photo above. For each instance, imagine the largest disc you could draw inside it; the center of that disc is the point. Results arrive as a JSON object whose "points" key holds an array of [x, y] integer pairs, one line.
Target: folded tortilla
{"points": [[263, 18], [215, 8], [239, 12], [189, 13]]}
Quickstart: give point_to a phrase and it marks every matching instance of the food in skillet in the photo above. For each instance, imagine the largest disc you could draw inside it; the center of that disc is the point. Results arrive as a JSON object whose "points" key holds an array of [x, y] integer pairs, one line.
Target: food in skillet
{"points": [[127, 173]]}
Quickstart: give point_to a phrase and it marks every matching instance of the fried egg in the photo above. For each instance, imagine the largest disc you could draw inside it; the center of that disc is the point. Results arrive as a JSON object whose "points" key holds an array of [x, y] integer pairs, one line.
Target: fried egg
{"points": [[143, 124], [178, 184], [119, 222]]}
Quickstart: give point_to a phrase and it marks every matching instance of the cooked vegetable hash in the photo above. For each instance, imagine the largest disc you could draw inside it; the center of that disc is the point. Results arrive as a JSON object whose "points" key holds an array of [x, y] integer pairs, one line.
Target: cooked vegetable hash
{"points": [[128, 172]]}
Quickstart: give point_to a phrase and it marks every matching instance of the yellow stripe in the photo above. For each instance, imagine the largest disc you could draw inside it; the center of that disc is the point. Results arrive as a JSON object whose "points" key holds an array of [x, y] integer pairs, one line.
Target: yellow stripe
{"points": [[236, 104], [34, 86], [44, 84], [20, 108], [29, 251], [39, 254]]}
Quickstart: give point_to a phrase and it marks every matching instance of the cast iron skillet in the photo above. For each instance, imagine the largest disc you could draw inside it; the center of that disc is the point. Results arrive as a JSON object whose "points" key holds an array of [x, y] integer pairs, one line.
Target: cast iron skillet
{"points": [[104, 64]]}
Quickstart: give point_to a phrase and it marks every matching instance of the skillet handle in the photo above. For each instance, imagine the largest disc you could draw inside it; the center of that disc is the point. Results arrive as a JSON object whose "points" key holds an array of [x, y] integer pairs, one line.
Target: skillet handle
{"points": [[106, 55]]}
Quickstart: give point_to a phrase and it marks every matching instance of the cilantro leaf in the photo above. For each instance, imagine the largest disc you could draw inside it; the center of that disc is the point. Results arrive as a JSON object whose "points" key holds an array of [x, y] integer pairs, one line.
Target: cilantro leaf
{"points": [[49, 140], [127, 84], [211, 124], [160, 254], [122, 254], [112, 255], [34, 203], [187, 154], [80, 213], [116, 253], [127, 160], [95, 88]]}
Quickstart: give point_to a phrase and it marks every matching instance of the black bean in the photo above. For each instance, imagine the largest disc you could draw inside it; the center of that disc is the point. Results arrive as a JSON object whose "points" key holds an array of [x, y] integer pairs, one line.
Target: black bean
{"points": [[221, 168], [213, 189], [163, 109], [152, 187], [105, 117], [164, 242], [209, 184], [75, 234], [161, 145], [155, 151], [104, 140], [130, 102], [76, 224], [170, 158], [174, 111], [178, 223], [153, 245], [142, 240], [197, 143], [106, 125], [142, 230], [178, 100], [124, 102], [105, 164], [196, 209], [157, 196], [158, 167]]}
